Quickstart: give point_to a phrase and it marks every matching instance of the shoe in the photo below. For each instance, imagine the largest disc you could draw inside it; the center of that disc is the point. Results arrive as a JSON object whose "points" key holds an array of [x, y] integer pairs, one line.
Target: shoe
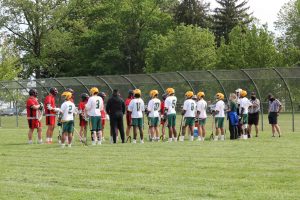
{"points": [[142, 141], [216, 138], [170, 140], [62, 145], [69, 145], [30, 142], [181, 139], [222, 137], [93, 143], [99, 142], [199, 138], [59, 141], [191, 138], [134, 141], [175, 139], [40, 141]]}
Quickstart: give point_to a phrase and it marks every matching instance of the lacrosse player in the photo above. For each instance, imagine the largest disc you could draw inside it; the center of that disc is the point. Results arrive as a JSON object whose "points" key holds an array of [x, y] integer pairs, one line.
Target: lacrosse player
{"points": [[82, 116], [128, 114], [244, 107], [188, 113], [219, 117], [50, 113], [153, 109], [103, 115], [33, 109], [137, 108], [162, 117], [93, 108], [201, 115], [170, 113], [68, 111]]}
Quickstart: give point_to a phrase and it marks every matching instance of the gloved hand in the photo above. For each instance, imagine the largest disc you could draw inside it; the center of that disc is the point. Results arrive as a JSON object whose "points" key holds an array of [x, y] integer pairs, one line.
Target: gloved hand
{"points": [[59, 123], [41, 106], [57, 110]]}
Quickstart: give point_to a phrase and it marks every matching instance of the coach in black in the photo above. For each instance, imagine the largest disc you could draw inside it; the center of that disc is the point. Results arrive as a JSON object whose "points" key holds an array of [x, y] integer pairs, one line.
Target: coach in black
{"points": [[115, 108]]}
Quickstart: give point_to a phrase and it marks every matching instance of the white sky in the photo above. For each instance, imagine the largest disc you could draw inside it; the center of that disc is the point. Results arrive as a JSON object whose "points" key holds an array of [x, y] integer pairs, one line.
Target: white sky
{"points": [[265, 10]]}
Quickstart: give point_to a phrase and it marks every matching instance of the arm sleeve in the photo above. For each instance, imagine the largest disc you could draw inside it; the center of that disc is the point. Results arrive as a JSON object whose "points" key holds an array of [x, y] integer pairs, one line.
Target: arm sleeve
{"points": [[185, 105], [149, 106], [130, 106], [88, 105]]}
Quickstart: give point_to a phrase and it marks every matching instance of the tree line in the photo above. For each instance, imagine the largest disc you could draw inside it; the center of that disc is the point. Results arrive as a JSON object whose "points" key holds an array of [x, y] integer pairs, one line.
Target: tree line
{"points": [[50, 38]]}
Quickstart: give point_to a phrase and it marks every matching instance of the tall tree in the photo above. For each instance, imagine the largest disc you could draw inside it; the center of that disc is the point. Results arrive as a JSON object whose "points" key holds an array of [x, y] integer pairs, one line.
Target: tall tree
{"points": [[193, 12], [185, 48], [31, 24], [229, 14]]}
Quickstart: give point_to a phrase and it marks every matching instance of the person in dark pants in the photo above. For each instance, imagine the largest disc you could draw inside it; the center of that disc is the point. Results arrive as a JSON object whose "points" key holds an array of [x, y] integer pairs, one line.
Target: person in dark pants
{"points": [[233, 117], [115, 108]]}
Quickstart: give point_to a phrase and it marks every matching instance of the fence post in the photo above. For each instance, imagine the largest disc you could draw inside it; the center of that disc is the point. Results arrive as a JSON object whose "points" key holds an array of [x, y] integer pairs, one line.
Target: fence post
{"points": [[186, 80], [155, 79], [123, 76], [290, 96], [258, 92], [79, 81], [219, 83]]}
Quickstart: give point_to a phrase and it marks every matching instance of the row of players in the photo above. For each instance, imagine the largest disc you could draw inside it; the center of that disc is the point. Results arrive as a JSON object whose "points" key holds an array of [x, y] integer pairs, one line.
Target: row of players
{"points": [[92, 109]]}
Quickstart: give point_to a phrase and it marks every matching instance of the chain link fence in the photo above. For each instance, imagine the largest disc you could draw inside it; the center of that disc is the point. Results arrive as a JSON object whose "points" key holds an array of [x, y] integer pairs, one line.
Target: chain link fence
{"points": [[284, 83]]}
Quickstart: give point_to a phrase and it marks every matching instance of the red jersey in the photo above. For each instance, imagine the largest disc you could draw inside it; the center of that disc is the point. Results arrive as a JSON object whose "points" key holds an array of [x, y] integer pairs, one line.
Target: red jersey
{"points": [[31, 113], [49, 100], [162, 107], [81, 107], [127, 102]]}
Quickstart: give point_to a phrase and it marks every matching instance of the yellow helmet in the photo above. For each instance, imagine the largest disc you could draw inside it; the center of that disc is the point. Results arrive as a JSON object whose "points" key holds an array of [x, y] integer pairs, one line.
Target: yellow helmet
{"points": [[137, 91], [189, 94], [153, 93], [243, 93], [220, 96], [67, 95], [170, 91], [94, 90], [200, 94]]}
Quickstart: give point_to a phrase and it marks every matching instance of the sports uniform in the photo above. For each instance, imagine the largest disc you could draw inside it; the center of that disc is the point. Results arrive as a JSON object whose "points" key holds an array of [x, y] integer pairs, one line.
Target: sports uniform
{"points": [[49, 104], [170, 104], [244, 107], [94, 107], [162, 110], [68, 110], [81, 108], [137, 107], [154, 108], [128, 114], [219, 117], [201, 107], [32, 114], [189, 107]]}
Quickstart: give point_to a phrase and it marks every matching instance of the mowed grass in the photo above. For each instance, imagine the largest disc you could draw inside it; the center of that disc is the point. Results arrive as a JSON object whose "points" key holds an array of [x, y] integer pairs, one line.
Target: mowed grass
{"points": [[259, 168]]}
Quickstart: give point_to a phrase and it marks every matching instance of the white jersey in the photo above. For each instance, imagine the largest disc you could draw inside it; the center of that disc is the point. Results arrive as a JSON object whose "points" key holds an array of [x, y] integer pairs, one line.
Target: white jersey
{"points": [[170, 104], [136, 107], [245, 103], [68, 111], [201, 107], [220, 106], [94, 106], [189, 106], [154, 107]]}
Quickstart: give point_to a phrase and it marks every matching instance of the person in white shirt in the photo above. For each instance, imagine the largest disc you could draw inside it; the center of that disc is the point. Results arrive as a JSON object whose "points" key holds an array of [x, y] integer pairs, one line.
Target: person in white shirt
{"points": [[137, 108], [188, 112], [170, 113], [244, 109], [219, 114], [68, 110], [93, 108], [153, 109], [202, 116]]}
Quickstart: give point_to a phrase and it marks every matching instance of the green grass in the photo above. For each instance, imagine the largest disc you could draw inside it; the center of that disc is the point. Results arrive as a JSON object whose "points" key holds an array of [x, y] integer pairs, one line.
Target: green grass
{"points": [[259, 168]]}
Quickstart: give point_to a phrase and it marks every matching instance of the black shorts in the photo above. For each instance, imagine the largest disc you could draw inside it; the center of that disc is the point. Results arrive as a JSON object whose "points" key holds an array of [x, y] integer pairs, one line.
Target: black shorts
{"points": [[272, 118], [253, 118]]}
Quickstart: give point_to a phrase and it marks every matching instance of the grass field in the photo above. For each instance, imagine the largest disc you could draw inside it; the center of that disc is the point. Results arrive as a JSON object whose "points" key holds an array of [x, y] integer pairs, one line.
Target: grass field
{"points": [[259, 168]]}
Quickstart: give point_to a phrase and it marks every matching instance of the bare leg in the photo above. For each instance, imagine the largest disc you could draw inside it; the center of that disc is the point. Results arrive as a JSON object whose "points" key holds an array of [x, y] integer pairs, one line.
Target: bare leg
{"points": [[256, 130], [39, 130], [70, 137], [174, 131], [156, 132], [273, 130], [134, 132], [278, 129], [203, 131], [30, 133], [141, 133]]}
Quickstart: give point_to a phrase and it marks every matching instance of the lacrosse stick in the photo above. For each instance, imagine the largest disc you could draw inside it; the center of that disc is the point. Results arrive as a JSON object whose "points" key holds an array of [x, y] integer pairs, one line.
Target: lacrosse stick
{"points": [[180, 130]]}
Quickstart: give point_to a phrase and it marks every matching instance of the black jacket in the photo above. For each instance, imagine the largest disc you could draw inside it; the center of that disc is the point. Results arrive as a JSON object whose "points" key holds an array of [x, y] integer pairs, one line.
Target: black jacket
{"points": [[114, 105]]}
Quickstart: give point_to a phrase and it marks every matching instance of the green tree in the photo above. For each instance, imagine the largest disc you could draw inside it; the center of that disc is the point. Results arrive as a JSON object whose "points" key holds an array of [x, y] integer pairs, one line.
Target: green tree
{"points": [[248, 48], [288, 24], [193, 12], [116, 35], [229, 14], [185, 48], [32, 25], [9, 59]]}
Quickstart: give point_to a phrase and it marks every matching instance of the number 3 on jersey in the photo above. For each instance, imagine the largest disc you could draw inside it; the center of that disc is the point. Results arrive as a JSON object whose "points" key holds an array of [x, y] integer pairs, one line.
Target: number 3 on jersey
{"points": [[97, 104]]}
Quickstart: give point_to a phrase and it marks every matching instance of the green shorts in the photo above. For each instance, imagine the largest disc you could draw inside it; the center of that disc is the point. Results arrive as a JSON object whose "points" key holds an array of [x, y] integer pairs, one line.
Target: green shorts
{"points": [[95, 123], [189, 121], [171, 120], [202, 122], [137, 122], [68, 127], [219, 122], [245, 118], [153, 121]]}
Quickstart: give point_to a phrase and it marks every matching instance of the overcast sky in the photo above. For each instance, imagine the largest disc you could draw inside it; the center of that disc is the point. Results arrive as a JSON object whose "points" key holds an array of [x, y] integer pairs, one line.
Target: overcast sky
{"points": [[265, 10]]}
